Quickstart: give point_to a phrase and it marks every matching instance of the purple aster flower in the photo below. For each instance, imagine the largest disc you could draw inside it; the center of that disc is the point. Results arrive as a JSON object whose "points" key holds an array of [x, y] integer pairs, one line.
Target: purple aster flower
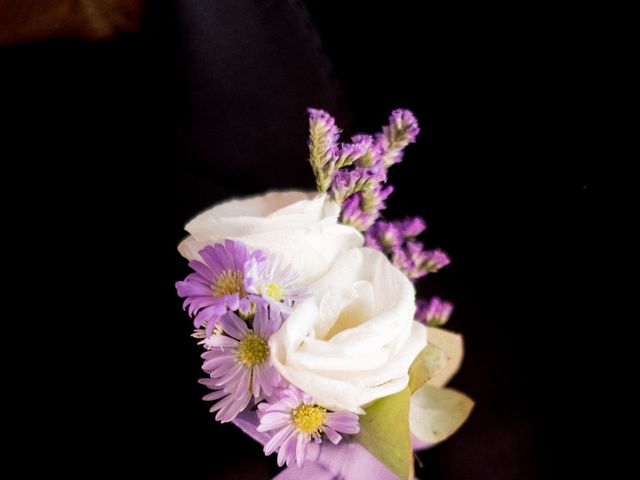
{"points": [[434, 312], [238, 363], [401, 131], [299, 423], [219, 284], [275, 282]]}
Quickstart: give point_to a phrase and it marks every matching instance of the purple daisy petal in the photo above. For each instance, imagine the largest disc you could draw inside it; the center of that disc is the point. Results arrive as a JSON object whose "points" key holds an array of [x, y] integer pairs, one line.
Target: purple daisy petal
{"points": [[214, 363], [277, 440], [202, 270], [233, 325], [287, 451], [333, 436], [273, 420]]}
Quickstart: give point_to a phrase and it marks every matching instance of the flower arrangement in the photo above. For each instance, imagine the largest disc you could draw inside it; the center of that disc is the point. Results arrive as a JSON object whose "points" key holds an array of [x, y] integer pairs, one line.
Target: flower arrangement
{"points": [[304, 303]]}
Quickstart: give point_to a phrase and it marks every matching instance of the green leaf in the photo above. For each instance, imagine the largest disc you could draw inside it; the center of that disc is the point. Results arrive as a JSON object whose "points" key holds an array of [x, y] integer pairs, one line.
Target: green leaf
{"points": [[426, 365], [384, 431], [451, 344], [436, 413]]}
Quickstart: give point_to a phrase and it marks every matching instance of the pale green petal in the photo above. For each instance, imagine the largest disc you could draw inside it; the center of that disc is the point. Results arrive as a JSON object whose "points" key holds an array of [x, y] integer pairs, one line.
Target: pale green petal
{"points": [[384, 431], [451, 344], [426, 366], [436, 413]]}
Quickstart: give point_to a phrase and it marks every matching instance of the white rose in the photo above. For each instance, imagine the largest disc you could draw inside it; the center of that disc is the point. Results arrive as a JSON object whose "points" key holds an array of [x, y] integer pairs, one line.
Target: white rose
{"points": [[302, 227], [354, 340]]}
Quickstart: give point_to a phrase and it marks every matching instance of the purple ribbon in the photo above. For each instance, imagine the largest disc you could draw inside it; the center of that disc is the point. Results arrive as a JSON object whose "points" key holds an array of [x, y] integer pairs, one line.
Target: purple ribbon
{"points": [[345, 461]]}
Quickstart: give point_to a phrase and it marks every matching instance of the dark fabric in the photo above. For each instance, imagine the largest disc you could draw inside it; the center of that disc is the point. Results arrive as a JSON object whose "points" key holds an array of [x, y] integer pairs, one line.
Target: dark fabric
{"points": [[253, 67], [115, 145]]}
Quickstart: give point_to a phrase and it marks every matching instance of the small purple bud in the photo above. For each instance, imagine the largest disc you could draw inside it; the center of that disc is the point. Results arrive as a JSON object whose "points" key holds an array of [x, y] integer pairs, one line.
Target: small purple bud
{"points": [[435, 260], [412, 227], [401, 131], [433, 312]]}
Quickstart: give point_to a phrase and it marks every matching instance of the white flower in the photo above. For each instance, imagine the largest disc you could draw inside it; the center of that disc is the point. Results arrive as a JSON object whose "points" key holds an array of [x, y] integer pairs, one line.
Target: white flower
{"points": [[303, 227], [354, 340]]}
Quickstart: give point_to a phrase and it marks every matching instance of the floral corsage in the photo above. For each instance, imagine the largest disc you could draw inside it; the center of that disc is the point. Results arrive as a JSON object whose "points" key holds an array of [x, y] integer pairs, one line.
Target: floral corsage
{"points": [[305, 307]]}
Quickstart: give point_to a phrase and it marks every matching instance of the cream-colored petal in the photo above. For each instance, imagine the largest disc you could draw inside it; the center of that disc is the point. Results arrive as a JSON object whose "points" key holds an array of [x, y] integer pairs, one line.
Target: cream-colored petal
{"points": [[452, 345], [436, 413], [354, 340], [300, 226]]}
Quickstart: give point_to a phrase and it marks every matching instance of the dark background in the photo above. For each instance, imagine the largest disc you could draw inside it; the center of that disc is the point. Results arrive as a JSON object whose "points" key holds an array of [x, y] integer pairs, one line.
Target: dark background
{"points": [[115, 144]]}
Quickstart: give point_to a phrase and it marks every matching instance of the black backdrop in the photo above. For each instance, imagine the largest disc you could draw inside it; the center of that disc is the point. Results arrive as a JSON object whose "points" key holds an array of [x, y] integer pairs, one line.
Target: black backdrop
{"points": [[117, 144]]}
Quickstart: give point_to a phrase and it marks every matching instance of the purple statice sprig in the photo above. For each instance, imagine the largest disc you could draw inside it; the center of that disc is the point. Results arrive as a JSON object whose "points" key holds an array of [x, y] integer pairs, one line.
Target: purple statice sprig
{"points": [[398, 240], [323, 139], [355, 174], [433, 312], [347, 183], [386, 236], [416, 262], [355, 212], [402, 130]]}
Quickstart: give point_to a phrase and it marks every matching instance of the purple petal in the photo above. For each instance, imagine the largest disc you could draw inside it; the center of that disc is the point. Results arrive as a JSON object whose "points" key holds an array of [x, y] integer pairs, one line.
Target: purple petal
{"points": [[260, 321], [214, 395], [287, 451], [212, 312], [232, 408], [345, 422], [334, 436], [229, 374], [277, 440], [215, 362], [242, 387], [234, 326], [196, 304], [222, 342], [192, 289], [301, 447], [202, 269], [273, 420], [210, 257]]}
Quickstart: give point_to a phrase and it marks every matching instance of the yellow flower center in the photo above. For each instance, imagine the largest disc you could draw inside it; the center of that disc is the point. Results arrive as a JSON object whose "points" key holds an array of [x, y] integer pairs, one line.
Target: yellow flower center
{"points": [[247, 315], [274, 291], [309, 418], [253, 350], [228, 282]]}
